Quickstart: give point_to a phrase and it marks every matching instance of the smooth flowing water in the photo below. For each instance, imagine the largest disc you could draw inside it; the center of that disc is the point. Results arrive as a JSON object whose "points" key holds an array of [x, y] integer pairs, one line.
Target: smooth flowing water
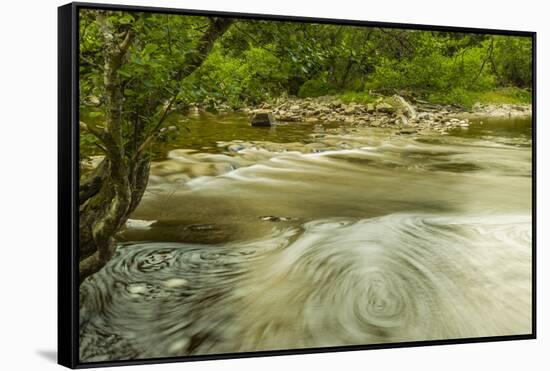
{"points": [[303, 236]]}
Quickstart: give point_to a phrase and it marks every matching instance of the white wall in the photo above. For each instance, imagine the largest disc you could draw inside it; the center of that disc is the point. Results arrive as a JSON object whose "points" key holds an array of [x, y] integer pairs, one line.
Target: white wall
{"points": [[28, 182]]}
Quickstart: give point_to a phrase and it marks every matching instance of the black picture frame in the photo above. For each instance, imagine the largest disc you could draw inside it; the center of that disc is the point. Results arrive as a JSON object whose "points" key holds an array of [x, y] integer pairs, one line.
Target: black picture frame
{"points": [[68, 177]]}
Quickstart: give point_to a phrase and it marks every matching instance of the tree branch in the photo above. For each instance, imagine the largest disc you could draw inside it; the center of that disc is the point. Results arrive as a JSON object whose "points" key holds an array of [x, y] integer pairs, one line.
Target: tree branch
{"points": [[487, 57], [217, 27], [92, 129], [128, 38]]}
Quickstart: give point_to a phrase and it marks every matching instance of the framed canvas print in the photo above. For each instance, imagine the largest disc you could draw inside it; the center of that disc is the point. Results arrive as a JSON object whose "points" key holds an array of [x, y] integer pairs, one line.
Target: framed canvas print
{"points": [[235, 185]]}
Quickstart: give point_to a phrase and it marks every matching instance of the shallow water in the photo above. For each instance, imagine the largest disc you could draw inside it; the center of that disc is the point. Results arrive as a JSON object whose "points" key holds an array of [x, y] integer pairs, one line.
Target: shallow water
{"points": [[318, 235]]}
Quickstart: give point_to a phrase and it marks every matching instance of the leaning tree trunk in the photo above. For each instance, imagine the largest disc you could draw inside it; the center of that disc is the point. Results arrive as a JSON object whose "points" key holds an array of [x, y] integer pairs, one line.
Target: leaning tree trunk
{"points": [[103, 213], [110, 194]]}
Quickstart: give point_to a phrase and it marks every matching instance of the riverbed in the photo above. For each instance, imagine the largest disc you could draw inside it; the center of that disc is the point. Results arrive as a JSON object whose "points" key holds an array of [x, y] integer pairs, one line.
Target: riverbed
{"points": [[315, 235]]}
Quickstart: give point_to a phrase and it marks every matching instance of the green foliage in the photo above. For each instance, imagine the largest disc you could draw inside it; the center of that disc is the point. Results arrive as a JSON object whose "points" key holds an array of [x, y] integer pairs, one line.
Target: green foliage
{"points": [[357, 97], [512, 61], [254, 77], [315, 88], [455, 95], [431, 71], [151, 74], [469, 98], [510, 95], [257, 61]]}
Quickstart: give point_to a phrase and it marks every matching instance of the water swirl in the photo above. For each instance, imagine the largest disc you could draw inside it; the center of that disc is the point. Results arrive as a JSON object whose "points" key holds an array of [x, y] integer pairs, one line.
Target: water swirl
{"points": [[328, 282]]}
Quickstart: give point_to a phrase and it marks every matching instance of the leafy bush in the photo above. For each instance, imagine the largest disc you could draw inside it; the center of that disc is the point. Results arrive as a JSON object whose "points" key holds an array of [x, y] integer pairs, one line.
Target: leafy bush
{"points": [[315, 88], [434, 74], [459, 96], [510, 95], [260, 61], [512, 60], [357, 97], [253, 77]]}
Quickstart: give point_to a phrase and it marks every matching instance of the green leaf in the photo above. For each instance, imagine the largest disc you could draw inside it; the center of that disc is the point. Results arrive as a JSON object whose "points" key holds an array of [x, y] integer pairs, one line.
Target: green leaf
{"points": [[126, 19], [150, 48], [124, 73]]}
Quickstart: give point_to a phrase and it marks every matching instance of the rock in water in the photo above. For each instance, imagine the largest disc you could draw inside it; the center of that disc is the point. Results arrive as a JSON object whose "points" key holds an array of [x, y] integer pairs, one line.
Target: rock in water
{"points": [[262, 118], [406, 132], [271, 218]]}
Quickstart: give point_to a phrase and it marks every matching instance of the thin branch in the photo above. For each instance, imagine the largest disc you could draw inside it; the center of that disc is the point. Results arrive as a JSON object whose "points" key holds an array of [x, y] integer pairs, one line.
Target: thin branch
{"points": [[128, 38], [90, 62], [256, 42], [399, 40], [487, 57], [100, 147], [154, 132], [92, 129]]}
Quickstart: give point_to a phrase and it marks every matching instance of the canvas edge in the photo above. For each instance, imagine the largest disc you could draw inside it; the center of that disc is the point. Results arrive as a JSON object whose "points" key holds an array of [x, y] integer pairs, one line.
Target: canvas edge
{"points": [[67, 217], [534, 121]]}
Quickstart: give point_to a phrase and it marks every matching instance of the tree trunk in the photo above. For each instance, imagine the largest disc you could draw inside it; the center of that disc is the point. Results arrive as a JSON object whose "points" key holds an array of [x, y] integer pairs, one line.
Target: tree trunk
{"points": [[100, 216]]}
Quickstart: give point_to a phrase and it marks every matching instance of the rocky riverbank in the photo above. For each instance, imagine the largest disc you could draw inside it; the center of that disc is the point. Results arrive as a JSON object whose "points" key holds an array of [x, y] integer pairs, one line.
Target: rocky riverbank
{"points": [[390, 112]]}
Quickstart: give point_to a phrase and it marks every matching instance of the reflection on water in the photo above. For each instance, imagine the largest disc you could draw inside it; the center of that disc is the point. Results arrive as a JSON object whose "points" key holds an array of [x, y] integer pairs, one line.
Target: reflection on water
{"points": [[202, 131], [319, 235]]}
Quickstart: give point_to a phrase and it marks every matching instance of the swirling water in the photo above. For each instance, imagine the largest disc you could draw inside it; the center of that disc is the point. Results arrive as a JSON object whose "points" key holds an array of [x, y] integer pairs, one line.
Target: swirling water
{"points": [[347, 236]]}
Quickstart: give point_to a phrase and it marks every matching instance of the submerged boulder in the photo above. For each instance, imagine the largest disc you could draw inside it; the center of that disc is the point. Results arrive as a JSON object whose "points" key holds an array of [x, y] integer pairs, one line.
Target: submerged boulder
{"points": [[262, 118]]}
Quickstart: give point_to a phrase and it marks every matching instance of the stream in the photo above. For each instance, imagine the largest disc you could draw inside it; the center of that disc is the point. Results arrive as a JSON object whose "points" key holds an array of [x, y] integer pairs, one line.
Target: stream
{"points": [[318, 235]]}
